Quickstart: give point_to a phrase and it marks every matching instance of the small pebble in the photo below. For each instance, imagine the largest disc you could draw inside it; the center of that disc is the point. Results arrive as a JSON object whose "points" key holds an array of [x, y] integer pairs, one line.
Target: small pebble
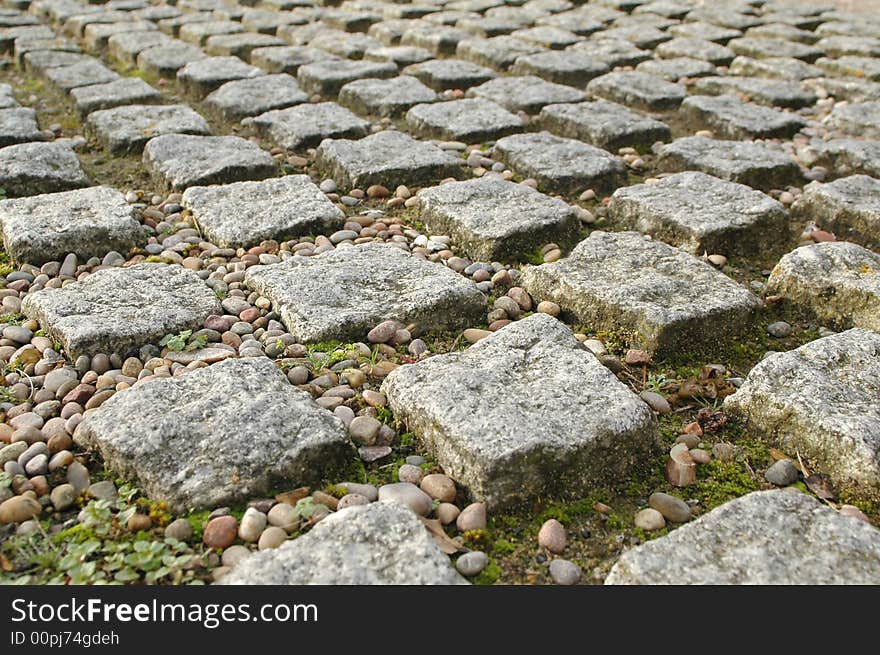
{"points": [[564, 572], [472, 563]]}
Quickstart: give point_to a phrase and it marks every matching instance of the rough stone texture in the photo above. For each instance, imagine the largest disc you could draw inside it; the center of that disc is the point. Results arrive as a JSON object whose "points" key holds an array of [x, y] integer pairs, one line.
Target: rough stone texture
{"points": [[639, 90], [327, 77], [245, 213], [849, 207], [81, 74], [570, 67], [128, 45], [765, 538], [216, 436], [561, 165], [177, 161], [729, 117], [838, 282], [861, 67], [821, 400], [307, 125], [851, 89], [784, 68], [528, 93], [674, 69], [759, 48], [27, 169], [165, 60], [700, 213], [379, 543], [402, 55], [523, 412], [843, 157], [19, 125], [445, 74], [610, 52], [392, 97], [389, 158], [250, 97], [89, 222], [715, 54], [498, 52], [492, 219], [199, 78], [123, 91], [116, 310], [344, 293], [857, 118], [127, 129], [240, 45], [604, 124], [776, 93], [286, 59], [470, 120], [757, 165], [38, 61], [662, 295]]}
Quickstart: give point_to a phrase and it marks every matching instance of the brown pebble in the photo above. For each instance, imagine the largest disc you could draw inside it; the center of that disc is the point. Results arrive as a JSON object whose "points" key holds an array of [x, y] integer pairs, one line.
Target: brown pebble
{"points": [[220, 532], [552, 536], [138, 522], [377, 191]]}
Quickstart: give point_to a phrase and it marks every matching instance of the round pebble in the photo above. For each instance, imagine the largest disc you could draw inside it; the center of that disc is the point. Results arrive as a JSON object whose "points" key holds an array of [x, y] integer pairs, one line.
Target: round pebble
{"points": [[552, 536], [220, 532], [672, 508], [650, 519], [782, 473], [472, 563], [564, 572], [472, 517], [439, 486], [272, 537]]}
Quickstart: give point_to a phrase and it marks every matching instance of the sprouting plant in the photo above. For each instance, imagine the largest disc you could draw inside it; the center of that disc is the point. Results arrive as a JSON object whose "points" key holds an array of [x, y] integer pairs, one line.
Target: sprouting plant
{"points": [[184, 341]]}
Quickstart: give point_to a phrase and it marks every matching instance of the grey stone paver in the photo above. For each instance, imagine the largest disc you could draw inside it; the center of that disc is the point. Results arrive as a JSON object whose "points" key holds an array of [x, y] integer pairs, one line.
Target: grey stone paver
{"points": [[199, 78], [760, 48], [851, 66], [122, 91], [849, 207], [165, 60], [126, 46], [240, 45], [569, 67], [663, 296], [757, 165], [84, 73], [443, 74], [286, 59], [857, 118], [527, 93], [700, 213], [638, 90], [785, 68], [611, 53], [729, 117], [195, 449], [389, 158], [252, 96], [197, 33], [604, 124], [470, 120], [19, 125], [498, 52], [178, 161], [306, 125], [842, 157], [327, 77], [773, 92], [391, 97], [128, 128], [676, 68], [28, 169], [714, 53], [561, 165], [527, 393], [492, 219], [402, 55], [243, 214], [89, 222], [344, 293]]}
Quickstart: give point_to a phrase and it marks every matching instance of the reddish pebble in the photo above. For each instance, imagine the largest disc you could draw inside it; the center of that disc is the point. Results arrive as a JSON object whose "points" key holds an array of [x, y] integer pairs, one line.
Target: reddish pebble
{"points": [[220, 532], [821, 236]]}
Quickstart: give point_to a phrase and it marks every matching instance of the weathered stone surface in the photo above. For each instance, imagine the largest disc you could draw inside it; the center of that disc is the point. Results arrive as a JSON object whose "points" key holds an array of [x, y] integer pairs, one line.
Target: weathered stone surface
{"points": [[342, 44], [327, 77], [698, 48], [611, 52], [287, 59], [81, 74], [776, 93], [848, 207], [245, 213], [307, 125], [38, 61], [392, 97], [27, 169], [19, 125], [240, 45], [839, 436], [841, 46], [199, 78], [89, 222], [122, 91], [177, 161], [470, 120], [700, 213], [856, 118], [249, 97], [570, 67], [437, 39], [764, 538], [199, 32], [604, 124], [492, 219], [842, 157], [217, 435], [95, 36], [760, 48], [344, 293], [701, 30], [784, 68], [498, 52], [729, 117], [379, 543], [664, 296], [445, 74], [389, 158], [524, 411], [851, 89], [757, 165], [117, 309], [128, 128], [166, 59], [639, 90], [561, 165], [527, 93], [402, 55], [839, 282], [128, 45], [676, 68]]}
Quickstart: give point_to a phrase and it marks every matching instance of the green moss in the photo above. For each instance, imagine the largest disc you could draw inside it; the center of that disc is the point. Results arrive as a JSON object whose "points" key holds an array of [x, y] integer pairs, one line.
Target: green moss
{"points": [[718, 482], [489, 575], [502, 546]]}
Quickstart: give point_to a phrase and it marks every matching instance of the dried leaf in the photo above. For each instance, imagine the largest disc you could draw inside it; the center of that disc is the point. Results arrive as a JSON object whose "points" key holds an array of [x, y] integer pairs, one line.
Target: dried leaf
{"points": [[5, 564], [435, 528], [820, 484], [777, 454]]}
